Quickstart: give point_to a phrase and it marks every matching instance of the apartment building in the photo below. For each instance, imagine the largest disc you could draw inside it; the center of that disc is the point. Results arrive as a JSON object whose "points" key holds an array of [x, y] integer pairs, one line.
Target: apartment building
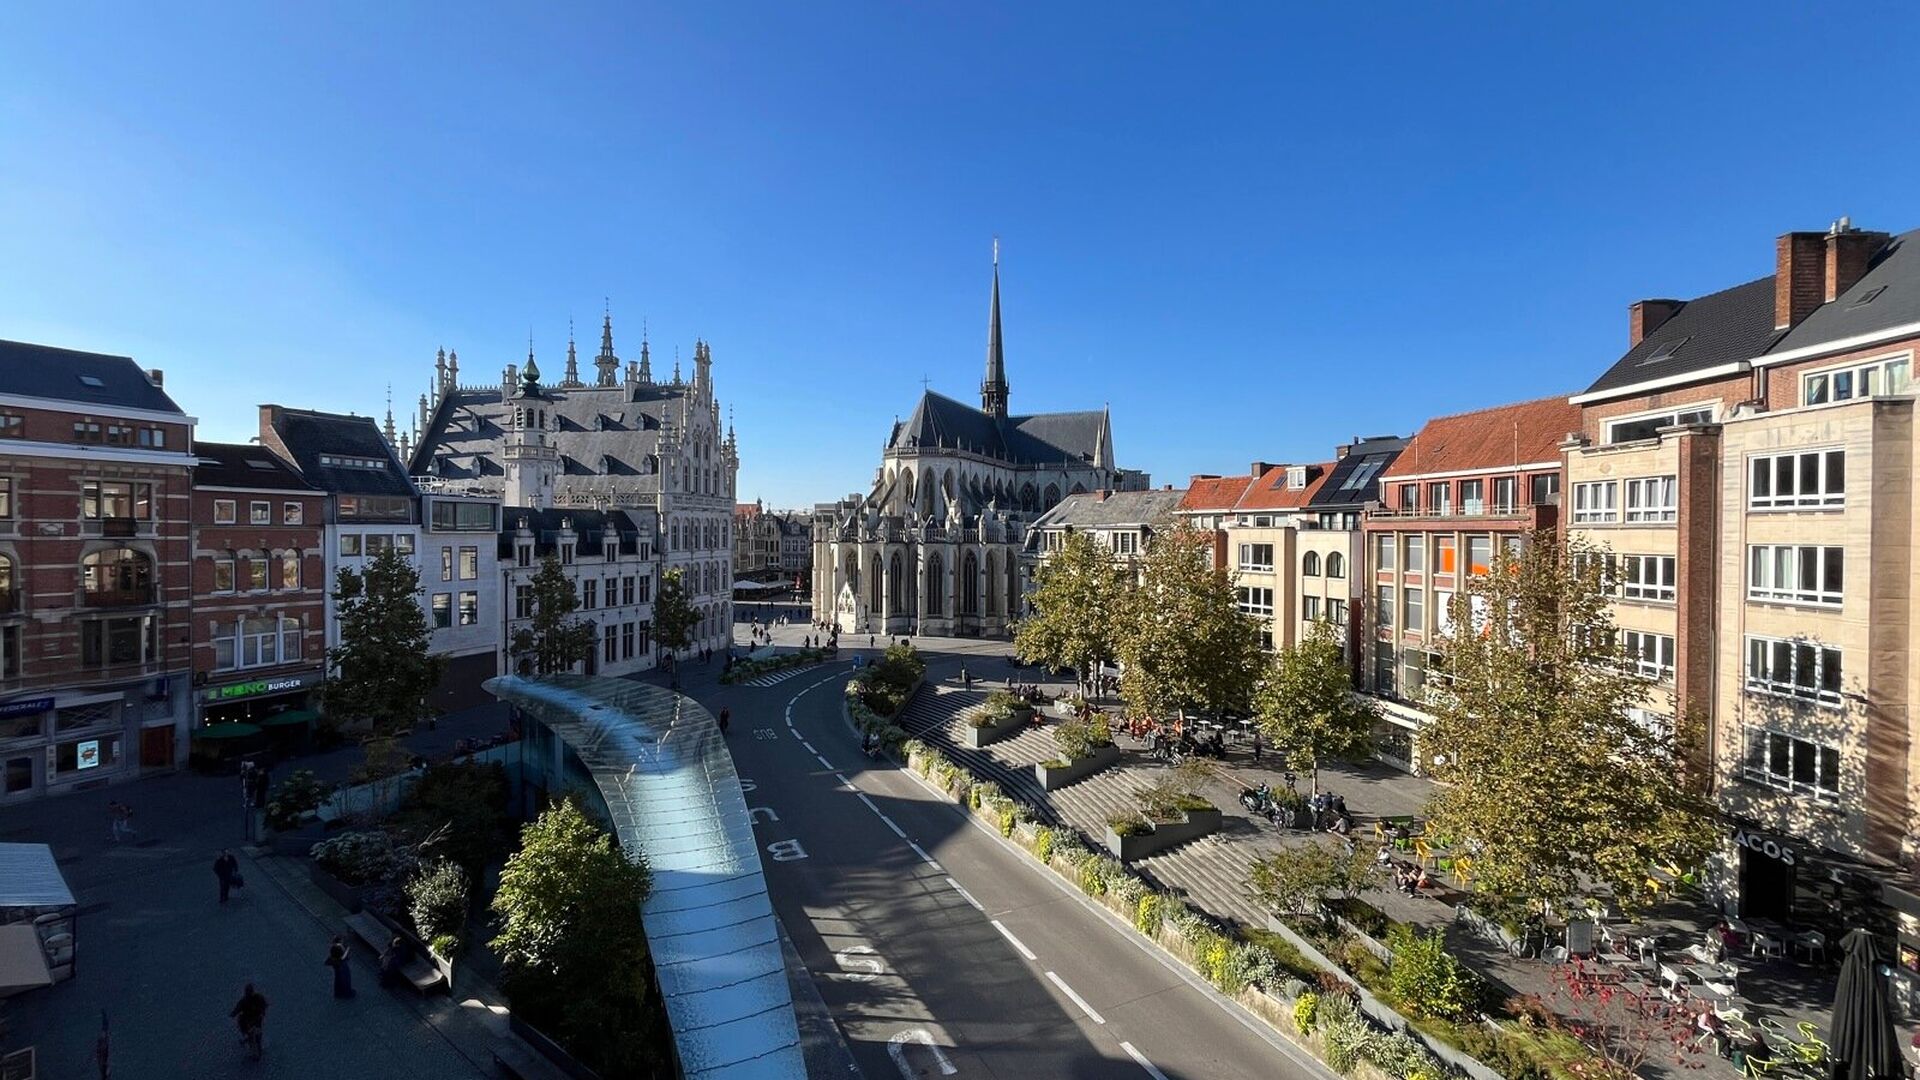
{"points": [[1327, 572], [610, 556], [1262, 547], [95, 585], [259, 576], [1122, 522], [460, 574], [1463, 487]]}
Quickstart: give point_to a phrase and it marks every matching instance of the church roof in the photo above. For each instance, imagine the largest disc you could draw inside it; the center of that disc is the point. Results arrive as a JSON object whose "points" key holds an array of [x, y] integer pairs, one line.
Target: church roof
{"points": [[939, 421], [599, 430]]}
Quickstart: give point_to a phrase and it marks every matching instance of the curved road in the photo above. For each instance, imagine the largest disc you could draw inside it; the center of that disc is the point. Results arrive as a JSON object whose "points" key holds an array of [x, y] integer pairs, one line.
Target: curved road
{"points": [[940, 950]]}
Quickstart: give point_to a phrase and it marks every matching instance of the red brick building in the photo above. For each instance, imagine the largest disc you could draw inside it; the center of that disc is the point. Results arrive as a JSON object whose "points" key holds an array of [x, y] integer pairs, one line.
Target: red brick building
{"points": [[259, 588], [95, 520]]}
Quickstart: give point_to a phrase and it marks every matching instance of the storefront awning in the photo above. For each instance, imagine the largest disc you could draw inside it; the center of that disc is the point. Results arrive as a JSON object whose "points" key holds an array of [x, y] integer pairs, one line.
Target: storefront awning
{"points": [[29, 878], [226, 731], [23, 964], [757, 586], [290, 718]]}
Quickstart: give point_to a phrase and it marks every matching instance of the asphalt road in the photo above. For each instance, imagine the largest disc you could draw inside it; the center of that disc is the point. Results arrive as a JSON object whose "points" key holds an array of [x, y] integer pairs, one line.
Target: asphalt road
{"points": [[942, 951]]}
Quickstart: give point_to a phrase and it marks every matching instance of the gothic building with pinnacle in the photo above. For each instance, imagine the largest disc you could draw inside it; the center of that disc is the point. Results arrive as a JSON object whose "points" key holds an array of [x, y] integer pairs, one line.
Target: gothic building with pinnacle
{"points": [[934, 547], [623, 441]]}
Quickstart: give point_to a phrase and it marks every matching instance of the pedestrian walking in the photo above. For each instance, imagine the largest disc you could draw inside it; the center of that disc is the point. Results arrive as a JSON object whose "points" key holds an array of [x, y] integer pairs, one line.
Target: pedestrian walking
{"points": [[1256, 746], [342, 971], [114, 821], [126, 822], [227, 869]]}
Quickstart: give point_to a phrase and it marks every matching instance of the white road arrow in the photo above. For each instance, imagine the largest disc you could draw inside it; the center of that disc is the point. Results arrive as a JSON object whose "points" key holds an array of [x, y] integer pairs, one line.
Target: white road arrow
{"points": [[897, 1050]]}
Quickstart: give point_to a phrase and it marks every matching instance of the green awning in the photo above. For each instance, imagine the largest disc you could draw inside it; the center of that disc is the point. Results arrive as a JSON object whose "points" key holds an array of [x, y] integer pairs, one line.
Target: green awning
{"points": [[226, 731], [290, 718]]}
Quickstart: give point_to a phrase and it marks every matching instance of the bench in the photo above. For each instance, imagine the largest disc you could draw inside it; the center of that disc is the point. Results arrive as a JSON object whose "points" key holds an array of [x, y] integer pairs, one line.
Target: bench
{"points": [[419, 971]]}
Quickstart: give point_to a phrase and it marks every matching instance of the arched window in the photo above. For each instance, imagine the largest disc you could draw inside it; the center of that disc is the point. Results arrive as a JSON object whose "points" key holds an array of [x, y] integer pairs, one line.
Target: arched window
{"points": [[1029, 498], [896, 586], [970, 585], [117, 575], [936, 591], [906, 480], [875, 587], [1310, 565], [853, 574], [993, 586], [1053, 496], [1336, 565]]}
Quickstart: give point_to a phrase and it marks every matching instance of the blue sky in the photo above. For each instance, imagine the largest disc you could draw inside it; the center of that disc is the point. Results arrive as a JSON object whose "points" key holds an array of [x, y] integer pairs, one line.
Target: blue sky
{"points": [[1254, 230]]}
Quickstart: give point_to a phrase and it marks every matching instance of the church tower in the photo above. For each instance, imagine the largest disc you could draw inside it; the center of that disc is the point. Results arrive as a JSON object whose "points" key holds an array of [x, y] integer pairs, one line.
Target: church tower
{"points": [[993, 389], [531, 459]]}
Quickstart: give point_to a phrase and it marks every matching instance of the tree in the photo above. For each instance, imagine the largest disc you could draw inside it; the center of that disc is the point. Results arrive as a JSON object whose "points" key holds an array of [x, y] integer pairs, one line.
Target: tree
{"points": [[1307, 707], [1300, 878], [555, 642], [381, 671], [1548, 778], [1076, 603], [1183, 639], [673, 616]]}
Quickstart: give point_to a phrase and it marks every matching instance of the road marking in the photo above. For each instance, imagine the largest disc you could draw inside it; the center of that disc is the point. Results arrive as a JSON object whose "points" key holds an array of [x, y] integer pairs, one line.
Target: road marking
{"points": [[809, 746], [957, 887], [1077, 999], [795, 732], [891, 825], [922, 852], [786, 851], [897, 1050], [1016, 942], [842, 777], [1141, 1059], [857, 956], [824, 763], [754, 813]]}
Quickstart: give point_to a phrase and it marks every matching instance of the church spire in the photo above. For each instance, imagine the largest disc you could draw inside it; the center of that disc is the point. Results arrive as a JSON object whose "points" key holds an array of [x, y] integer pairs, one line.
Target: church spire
{"points": [[387, 428], [646, 358], [573, 360], [993, 389], [607, 362]]}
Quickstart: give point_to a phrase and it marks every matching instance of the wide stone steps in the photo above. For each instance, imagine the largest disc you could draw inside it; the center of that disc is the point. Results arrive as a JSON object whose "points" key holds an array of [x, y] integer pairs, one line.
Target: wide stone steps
{"points": [[1212, 873], [937, 715]]}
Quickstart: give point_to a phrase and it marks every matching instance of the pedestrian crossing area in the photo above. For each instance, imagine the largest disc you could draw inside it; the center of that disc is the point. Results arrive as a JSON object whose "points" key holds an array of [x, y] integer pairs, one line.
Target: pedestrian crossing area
{"points": [[773, 677]]}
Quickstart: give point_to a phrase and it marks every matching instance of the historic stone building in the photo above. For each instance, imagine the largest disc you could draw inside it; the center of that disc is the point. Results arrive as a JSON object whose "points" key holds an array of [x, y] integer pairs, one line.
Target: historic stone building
{"points": [[620, 442], [934, 547]]}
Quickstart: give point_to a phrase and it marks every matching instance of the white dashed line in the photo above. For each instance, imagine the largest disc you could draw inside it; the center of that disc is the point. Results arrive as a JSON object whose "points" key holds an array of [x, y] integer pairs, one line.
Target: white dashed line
{"points": [[809, 746], [1077, 999], [824, 763], [924, 857], [842, 777], [965, 895], [1014, 941], [862, 796], [1141, 1059], [891, 825]]}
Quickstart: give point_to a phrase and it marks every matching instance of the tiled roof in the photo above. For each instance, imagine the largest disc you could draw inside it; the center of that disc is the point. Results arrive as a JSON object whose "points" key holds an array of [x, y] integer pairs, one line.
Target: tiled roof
{"points": [[1886, 297], [1725, 327], [1517, 434], [43, 371], [1270, 491], [234, 465], [1206, 493]]}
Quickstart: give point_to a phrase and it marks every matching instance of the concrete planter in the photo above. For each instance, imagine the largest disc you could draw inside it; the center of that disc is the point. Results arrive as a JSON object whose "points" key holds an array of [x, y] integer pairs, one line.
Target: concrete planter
{"points": [[1053, 778], [1198, 823], [978, 737], [351, 897]]}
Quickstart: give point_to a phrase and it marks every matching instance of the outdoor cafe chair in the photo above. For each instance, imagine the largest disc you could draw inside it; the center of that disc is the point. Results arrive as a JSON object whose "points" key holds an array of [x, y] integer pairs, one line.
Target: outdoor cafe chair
{"points": [[1810, 942]]}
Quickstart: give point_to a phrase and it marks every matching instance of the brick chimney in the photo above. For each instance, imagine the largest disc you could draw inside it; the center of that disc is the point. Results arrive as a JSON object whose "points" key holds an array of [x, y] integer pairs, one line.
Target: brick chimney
{"points": [[1849, 252], [1799, 277], [1259, 468], [1646, 316]]}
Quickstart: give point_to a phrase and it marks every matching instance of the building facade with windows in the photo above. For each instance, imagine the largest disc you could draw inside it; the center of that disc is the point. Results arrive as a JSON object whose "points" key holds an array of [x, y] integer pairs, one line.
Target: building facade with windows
{"points": [[1462, 487], [1123, 523], [756, 542], [95, 572], [460, 573], [1330, 557], [259, 587], [612, 559], [1263, 548]]}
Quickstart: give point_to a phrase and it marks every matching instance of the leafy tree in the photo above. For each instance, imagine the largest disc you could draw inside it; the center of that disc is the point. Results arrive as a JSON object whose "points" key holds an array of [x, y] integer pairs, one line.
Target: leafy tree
{"points": [[1547, 777], [458, 811], [555, 642], [674, 616], [1184, 641], [1076, 605], [571, 939], [1302, 878], [1307, 707], [1426, 979], [381, 671]]}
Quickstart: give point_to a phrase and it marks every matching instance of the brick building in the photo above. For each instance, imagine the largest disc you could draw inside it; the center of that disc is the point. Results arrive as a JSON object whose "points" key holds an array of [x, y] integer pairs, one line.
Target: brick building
{"points": [[95, 526], [259, 587]]}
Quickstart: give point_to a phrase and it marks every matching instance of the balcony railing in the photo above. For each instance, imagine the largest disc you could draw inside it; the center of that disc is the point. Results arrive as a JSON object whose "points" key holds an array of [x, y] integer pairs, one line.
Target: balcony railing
{"points": [[1478, 510], [116, 597]]}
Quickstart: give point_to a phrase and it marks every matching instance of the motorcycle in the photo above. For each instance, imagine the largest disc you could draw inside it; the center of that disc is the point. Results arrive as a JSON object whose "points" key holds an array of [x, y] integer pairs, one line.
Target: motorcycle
{"points": [[1259, 801]]}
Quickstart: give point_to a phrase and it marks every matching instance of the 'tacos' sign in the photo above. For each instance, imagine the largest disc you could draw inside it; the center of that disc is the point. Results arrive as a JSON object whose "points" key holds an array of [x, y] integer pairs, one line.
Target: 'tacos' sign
{"points": [[1772, 849]]}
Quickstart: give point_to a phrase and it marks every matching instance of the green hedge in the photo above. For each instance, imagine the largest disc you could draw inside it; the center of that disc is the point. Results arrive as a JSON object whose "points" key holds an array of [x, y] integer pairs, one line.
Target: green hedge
{"points": [[747, 669]]}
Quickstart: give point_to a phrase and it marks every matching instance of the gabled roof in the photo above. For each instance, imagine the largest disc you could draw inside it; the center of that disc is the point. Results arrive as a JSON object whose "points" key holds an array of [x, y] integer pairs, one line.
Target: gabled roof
{"points": [[1214, 493], [1523, 433], [1036, 439], [1888, 296], [312, 436], [234, 465], [43, 371], [1355, 479], [1270, 491], [1729, 326], [1089, 510]]}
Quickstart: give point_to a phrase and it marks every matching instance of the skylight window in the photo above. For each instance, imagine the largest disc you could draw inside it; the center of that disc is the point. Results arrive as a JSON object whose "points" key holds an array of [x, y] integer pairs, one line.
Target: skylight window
{"points": [[1867, 297], [91, 380], [1665, 351], [263, 466]]}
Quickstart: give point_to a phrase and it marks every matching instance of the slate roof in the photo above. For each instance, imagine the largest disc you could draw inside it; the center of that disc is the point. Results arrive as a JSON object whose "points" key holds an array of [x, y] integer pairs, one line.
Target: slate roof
{"points": [[1089, 510], [1517, 434], [1355, 478], [1887, 296], [1270, 490], [1036, 439], [589, 527], [43, 371], [1719, 328], [234, 465], [308, 435], [1209, 493], [599, 431]]}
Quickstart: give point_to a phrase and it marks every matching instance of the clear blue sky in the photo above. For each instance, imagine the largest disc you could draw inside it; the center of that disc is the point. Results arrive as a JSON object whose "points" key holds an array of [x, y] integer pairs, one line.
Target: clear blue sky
{"points": [[1253, 229]]}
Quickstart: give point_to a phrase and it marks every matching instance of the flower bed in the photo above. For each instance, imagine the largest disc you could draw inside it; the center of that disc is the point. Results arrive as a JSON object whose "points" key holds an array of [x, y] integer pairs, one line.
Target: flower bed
{"points": [[1002, 715], [747, 669], [1135, 838]]}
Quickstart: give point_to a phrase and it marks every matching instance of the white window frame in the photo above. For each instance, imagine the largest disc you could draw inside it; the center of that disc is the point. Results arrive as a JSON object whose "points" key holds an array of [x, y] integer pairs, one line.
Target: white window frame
{"points": [[1820, 499], [1649, 653], [1766, 583], [1878, 370], [1672, 415], [226, 511], [1250, 557], [1635, 583], [1257, 601], [1767, 681], [1652, 499], [1589, 509], [1756, 764]]}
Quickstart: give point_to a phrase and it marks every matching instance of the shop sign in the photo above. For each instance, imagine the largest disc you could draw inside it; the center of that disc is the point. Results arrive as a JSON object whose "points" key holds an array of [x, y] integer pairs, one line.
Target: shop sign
{"points": [[1767, 846], [257, 687], [25, 707]]}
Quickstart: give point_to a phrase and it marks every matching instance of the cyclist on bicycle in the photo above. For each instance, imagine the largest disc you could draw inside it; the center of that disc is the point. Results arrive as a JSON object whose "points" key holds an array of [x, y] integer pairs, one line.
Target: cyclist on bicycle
{"points": [[250, 1012]]}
